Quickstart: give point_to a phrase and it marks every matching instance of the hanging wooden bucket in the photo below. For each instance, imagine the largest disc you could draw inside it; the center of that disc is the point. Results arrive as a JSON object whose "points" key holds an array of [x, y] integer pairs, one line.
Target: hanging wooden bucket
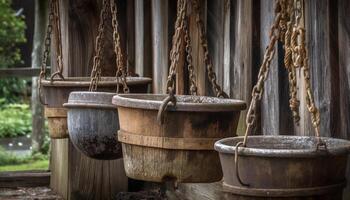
{"points": [[56, 93], [287, 167], [93, 121], [182, 148]]}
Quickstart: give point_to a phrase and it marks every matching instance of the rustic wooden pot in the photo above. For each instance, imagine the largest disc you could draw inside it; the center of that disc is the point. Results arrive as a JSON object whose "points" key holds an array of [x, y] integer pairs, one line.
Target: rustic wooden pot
{"points": [[56, 93], [287, 167], [182, 148]]}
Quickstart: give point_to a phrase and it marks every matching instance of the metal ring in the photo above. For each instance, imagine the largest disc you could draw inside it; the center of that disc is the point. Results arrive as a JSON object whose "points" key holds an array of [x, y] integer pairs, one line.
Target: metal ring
{"points": [[236, 165], [163, 106], [58, 73]]}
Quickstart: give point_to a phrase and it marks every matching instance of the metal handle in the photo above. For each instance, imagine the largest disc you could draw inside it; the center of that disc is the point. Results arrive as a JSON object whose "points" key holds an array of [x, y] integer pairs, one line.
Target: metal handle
{"points": [[236, 166]]}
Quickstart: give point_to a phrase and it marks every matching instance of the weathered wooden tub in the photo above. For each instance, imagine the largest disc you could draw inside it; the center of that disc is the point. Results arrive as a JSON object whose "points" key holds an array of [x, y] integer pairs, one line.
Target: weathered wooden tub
{"points": [[56, 93], [284, 167], [181, 149]]}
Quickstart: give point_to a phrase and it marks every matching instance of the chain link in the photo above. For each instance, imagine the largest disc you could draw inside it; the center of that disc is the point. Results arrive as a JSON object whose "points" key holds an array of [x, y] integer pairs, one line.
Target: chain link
{"points": [[56, 8], [46, 53], [289, 40], [175, 50], [96, 69], [121, 69], [263, 72], [191, 75], [207, 60]]}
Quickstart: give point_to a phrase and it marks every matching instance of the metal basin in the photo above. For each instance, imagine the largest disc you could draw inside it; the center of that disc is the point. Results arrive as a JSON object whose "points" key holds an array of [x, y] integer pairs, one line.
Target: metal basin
{"points": [[56, 93], [284, 167], [181, 148], [93, 124]]}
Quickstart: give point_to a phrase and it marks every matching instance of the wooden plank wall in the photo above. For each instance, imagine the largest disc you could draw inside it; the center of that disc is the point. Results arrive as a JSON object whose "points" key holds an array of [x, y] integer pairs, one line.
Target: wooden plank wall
{"points": [[238, 35]]}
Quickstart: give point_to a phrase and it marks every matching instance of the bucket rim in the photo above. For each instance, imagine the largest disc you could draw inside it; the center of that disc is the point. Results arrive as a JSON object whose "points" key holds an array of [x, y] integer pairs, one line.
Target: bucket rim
{"points": [[154, 101], [85, 81], [89, 99], [334, 147]]}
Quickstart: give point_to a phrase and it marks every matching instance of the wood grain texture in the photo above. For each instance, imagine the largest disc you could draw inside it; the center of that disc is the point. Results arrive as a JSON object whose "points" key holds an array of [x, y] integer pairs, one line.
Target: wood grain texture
{"points": [[143, 38], [160, 44], [240, 69]]}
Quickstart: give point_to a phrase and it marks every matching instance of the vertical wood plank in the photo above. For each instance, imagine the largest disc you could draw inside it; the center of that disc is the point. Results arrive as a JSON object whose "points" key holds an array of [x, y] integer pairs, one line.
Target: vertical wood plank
{"points": [[270, 100], [322, 64], [143, 38], [215, 33], [198, 62], [160, 44], [241, 54], [344, 71], [130, 27], [59, 166]]}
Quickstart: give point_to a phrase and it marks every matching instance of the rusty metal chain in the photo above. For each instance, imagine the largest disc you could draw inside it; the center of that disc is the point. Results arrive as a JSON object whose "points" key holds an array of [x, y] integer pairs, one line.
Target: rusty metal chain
{"points": [[46, 53], [56, 8], [96, 69], [207, 60], [302, 60], [258, 89], [191, 73], [288, 41], [174, 58], [121, 69]]}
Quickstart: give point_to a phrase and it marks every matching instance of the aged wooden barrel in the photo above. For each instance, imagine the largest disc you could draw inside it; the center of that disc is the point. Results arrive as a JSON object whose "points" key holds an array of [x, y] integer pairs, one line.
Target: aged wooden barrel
{"points": [[182, 148], [56, 93], [287, 167]]}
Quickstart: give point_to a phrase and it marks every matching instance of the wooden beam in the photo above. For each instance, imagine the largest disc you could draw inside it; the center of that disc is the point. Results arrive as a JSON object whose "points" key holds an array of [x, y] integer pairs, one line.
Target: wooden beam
{"points": [[21, 72], [24, 179], [160, 44], [143, 38]]}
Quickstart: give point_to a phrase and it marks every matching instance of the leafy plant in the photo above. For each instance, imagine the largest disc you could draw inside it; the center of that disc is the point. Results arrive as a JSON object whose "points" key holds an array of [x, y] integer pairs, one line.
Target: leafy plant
{"points": [[12, 90], [15, 120], [12, 33]]}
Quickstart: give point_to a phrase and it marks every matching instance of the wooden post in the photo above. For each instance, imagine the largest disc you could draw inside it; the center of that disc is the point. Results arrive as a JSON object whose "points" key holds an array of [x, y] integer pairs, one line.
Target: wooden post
{"points": [[143, 38], [160, 45], [38, 42]]}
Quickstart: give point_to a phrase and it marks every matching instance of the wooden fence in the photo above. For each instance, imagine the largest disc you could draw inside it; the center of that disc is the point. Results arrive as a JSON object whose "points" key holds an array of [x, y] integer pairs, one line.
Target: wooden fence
{"points": [[238, 35]]}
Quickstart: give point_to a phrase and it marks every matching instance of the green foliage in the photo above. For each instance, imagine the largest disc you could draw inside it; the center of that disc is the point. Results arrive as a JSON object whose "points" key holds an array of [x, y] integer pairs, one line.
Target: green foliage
{"points": [[12, 90], [12, 33], [15, 120]]}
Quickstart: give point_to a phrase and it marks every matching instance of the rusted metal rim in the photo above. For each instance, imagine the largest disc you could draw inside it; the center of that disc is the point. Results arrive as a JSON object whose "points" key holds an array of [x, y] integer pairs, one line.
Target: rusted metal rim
{"points": [[184, 103], [283, 146], [85, 81], [284, 192], [96, 100]]}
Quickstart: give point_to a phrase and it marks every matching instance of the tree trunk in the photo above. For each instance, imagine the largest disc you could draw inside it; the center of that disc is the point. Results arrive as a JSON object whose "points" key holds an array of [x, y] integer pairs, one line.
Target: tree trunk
{"points": [[38, 41]]}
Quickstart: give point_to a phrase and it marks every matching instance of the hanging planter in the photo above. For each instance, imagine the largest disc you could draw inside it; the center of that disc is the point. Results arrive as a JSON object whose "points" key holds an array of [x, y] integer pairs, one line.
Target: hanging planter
{"points": [[181, 148], [285, 167], [171, 137], [92, 118]]}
